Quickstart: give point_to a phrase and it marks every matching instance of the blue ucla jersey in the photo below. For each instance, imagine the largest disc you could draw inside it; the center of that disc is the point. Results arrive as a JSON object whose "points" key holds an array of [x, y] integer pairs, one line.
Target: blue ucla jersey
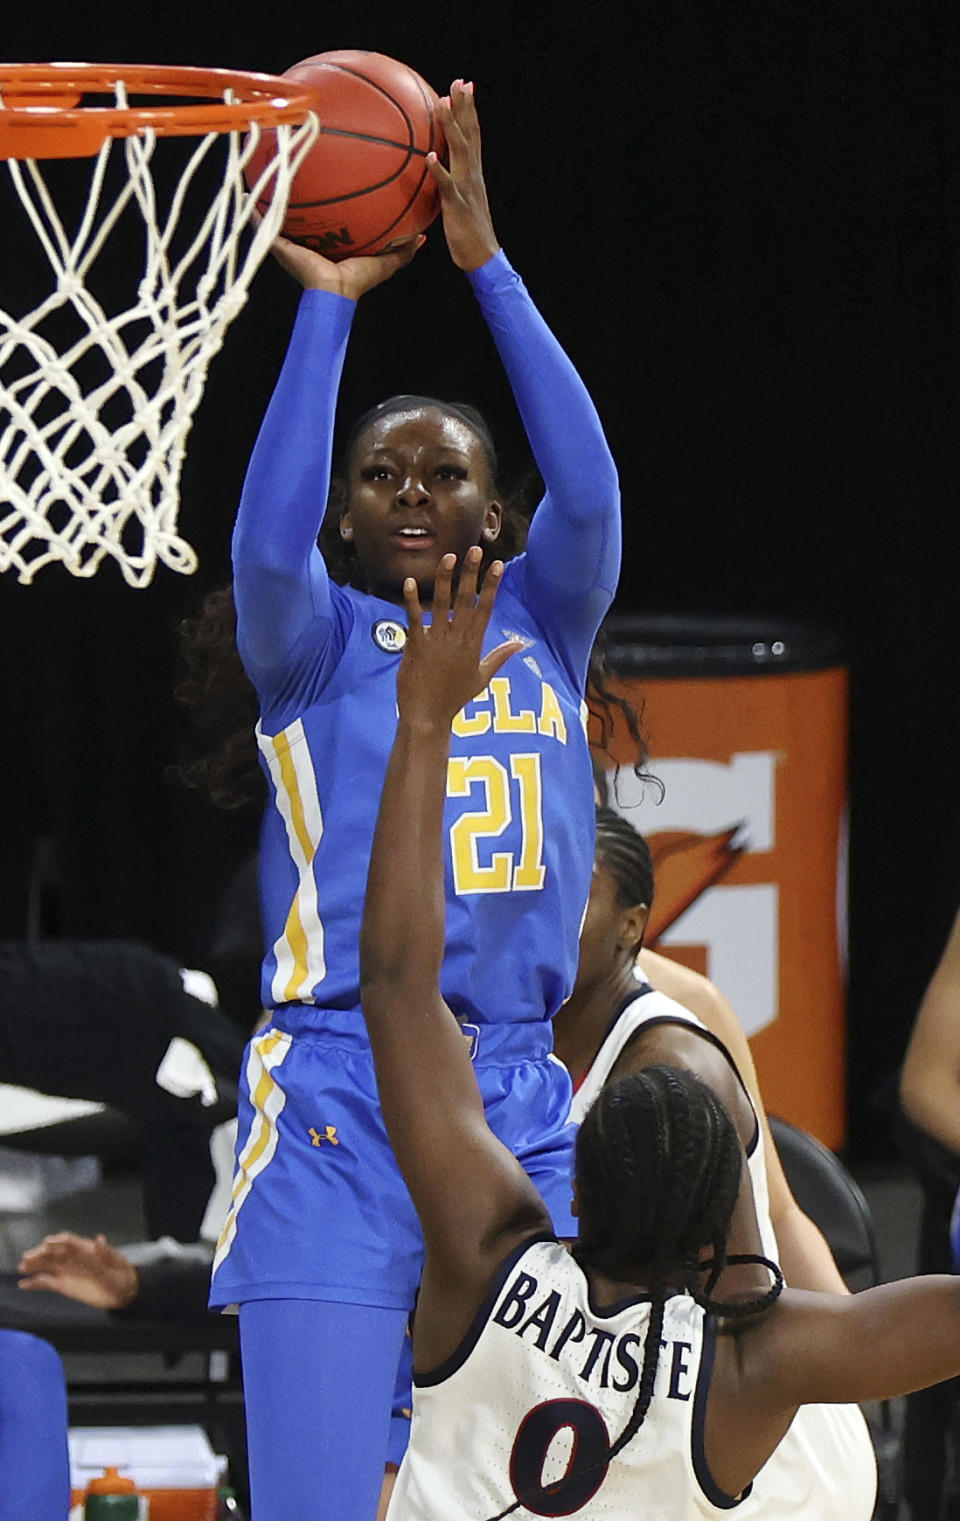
{"points": [[318, 1208], [323, 658], [519, 821]]}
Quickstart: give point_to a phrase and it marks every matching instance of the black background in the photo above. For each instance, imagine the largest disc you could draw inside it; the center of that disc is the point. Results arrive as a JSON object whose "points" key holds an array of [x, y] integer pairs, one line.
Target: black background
{"points": [[741, 220]]}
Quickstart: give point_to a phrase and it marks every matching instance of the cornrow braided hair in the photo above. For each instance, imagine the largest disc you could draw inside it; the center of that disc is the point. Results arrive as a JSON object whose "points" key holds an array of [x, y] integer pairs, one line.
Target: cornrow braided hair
{"points": [[625, 853], [658, 1168]]}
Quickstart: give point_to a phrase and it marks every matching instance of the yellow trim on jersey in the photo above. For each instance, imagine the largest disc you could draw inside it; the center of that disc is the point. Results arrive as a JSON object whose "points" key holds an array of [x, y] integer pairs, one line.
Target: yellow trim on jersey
{"points": [[288, 772], [267, 1052], [295, 937], [299, 950]]}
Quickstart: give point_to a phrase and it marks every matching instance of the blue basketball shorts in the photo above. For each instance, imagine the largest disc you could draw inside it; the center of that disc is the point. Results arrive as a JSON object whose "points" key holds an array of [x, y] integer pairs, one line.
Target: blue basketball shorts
{"points": [[319, 1209]]}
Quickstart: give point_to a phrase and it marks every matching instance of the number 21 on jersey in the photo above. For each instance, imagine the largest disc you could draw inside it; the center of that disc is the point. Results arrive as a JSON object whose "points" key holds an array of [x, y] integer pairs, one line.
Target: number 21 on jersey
{"points": [[505, 795]]}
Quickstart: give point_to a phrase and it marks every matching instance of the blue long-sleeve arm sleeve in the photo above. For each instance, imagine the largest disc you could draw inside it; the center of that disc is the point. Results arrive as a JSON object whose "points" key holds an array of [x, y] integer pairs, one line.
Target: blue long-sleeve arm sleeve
{"points": [[572, 562], [281, 586]]}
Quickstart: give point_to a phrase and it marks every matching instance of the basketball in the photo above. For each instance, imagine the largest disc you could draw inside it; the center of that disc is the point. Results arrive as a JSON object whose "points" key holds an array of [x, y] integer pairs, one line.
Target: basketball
{"points": [[364, 184]]}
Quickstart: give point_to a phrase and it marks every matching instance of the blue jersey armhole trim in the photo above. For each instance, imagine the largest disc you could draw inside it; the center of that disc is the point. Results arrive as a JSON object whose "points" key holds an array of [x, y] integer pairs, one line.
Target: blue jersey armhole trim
{"points": [[705, 1479], [457, 1358]]}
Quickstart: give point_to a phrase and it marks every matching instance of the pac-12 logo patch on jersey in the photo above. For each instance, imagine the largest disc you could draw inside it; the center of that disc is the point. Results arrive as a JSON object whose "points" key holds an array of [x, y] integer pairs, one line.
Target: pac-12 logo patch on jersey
{"points": [[389, 635]]}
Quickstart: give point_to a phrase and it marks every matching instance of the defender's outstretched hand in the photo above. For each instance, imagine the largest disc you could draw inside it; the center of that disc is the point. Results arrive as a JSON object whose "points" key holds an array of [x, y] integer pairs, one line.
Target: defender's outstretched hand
{"points": [[442, 669], [92, 1271], [346, 277], [463, 195]]}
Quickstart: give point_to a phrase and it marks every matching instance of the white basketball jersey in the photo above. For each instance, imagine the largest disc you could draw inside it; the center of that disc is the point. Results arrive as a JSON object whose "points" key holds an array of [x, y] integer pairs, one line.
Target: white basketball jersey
{"points": [[650, 1007], [825, 1468], [543, 1376]]}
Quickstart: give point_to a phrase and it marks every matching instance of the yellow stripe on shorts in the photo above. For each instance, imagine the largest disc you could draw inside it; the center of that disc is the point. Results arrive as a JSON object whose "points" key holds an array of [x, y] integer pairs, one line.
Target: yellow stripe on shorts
{"points": [[267, 1052]]}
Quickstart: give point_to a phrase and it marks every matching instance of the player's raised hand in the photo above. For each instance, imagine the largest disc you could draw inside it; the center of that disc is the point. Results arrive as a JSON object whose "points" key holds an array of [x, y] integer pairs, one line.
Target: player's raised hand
{"points": [[443, 666], [91, 1271], [345, 277], [463, 194]]}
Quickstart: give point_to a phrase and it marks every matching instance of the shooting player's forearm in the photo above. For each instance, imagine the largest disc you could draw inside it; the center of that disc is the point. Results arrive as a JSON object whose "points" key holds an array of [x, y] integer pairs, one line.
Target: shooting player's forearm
{"points": [[402, 939]]}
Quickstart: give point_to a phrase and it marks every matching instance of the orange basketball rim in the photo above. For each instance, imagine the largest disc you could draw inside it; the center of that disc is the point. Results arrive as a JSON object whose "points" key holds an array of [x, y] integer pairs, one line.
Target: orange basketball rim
{"points": [[43, 115]]}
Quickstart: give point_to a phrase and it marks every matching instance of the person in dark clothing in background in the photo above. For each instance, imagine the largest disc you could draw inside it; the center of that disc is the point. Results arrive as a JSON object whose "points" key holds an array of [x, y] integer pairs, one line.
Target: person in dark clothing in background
{"points": [[114, 1022], [169, 1282]]}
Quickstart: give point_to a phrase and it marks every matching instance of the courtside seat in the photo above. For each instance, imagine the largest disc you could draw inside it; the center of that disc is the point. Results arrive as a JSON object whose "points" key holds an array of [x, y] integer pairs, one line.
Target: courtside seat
{"points": [[833, 1199]]}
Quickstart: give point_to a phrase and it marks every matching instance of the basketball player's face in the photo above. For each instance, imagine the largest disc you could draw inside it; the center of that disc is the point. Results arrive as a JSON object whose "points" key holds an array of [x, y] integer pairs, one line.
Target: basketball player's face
{"points": [[598, 934], [609, 933], [420, 488]]}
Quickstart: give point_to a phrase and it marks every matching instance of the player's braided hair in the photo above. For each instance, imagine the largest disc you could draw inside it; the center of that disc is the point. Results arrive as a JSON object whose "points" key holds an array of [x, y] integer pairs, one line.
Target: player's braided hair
{"points": [[658, 1171], [626, 855]]}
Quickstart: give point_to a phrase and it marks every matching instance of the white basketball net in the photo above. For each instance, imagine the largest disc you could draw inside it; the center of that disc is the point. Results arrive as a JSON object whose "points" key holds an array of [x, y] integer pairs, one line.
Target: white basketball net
{"points": [[96, 404]]}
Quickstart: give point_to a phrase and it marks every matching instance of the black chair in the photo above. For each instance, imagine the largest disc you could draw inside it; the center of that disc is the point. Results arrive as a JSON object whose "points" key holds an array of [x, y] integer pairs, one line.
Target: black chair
{"points": [[834, 1201]]}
